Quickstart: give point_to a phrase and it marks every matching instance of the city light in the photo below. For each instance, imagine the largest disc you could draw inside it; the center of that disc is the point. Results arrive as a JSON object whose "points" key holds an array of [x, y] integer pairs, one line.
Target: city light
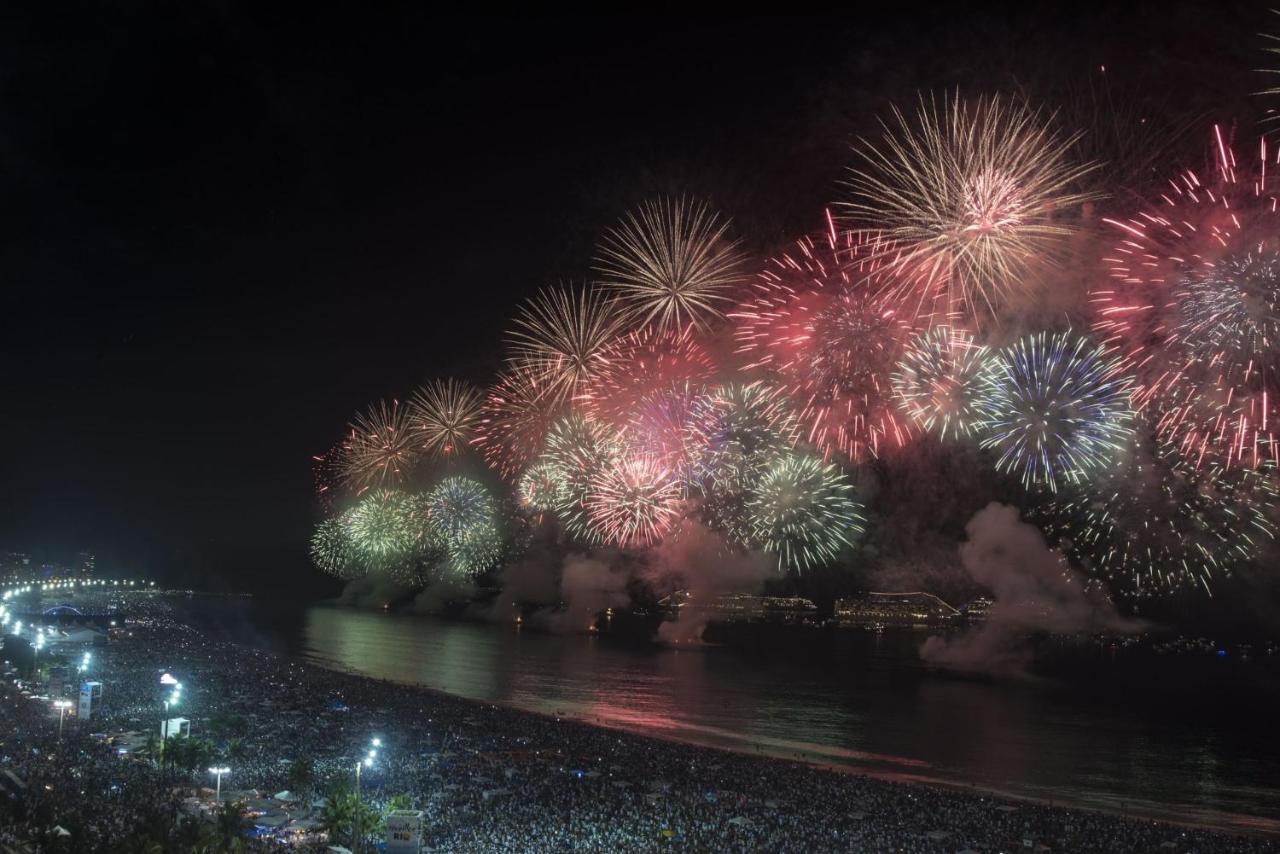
{"points": [[219, 771]]}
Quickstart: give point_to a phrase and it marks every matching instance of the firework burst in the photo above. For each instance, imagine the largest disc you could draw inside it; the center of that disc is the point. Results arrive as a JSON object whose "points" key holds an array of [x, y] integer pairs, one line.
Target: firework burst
{"points": [[818, 328], [1193, 305], [973, 195], [1159, 523], [937, 382], [445, 414], [737, 430], [641, 365], [671, 262], [543, 488], [633, 501], [381, 448], [1054, 408], [579, 448], [331, 548], [804, 511], [518, 412], [465, 514], [387, 527], [561, 337]]}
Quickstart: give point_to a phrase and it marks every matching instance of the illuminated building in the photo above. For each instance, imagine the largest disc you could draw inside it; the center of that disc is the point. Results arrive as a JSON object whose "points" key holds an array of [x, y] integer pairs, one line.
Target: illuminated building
{"points": [[894, 609]]}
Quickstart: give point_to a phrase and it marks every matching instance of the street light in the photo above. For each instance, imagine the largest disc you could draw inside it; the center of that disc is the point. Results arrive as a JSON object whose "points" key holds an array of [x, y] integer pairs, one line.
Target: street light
{"points": [[367, 762], [219, 771], [62, 706]]}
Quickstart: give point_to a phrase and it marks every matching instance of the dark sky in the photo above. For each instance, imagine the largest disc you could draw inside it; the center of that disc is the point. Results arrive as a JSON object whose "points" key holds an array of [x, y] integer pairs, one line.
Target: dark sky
{"points": [[225, 227]]}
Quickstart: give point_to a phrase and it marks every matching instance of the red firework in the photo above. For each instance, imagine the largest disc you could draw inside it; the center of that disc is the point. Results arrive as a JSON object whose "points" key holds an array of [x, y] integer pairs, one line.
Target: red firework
{"points": [[518, 411], [642, 364], [1193, 306], [824, 326]]}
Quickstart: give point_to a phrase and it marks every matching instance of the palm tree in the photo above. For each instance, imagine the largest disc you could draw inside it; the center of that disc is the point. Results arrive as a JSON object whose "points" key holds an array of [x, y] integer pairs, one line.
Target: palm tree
{"points": [[236, 749], [302, 774]]}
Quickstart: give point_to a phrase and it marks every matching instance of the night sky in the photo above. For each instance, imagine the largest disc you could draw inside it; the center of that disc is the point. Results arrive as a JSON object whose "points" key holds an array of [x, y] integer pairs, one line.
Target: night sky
{"points": [[226, 228]]}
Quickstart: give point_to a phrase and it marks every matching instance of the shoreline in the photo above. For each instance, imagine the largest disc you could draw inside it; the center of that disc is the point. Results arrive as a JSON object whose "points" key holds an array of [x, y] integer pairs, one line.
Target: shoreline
{"points": [[1172, 814], [809, 756]]}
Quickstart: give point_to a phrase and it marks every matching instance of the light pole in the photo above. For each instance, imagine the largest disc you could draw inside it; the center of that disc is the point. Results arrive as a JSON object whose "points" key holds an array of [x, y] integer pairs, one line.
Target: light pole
{"points": [[367, 762], [62, 706], [219, 771]]}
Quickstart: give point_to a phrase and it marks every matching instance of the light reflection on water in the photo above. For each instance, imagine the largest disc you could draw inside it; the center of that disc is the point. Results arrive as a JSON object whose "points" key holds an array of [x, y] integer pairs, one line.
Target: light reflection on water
{"points": [[871, 707]]}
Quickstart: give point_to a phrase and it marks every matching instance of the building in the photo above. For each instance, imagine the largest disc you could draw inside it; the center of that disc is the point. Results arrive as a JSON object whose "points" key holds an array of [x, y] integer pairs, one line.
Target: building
{"points": [[739, 608], [900, 610]]}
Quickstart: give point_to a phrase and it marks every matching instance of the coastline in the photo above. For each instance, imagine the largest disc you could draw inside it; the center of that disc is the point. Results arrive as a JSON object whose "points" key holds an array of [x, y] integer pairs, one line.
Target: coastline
{"points": [[806, 755]]}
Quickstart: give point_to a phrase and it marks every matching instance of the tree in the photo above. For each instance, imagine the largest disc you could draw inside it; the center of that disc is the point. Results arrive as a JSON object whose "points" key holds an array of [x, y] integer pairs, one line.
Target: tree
{"points": [[302, 774], [341, 808], [236, 749]]}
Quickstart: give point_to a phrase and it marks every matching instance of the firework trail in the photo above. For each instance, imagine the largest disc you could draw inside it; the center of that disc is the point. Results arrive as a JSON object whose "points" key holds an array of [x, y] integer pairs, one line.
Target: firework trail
{"points": [[445, 414], [819, 329], [633, 501], [671, 263], [327, 475], [973, 195], [1159, 524], [804, 511], [937, 382], [1193, 306], [381, 448], [1054, 408], [561, 336]]}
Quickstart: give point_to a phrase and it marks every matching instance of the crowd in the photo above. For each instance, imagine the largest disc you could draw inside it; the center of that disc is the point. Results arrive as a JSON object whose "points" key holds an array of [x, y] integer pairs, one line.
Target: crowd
{"points": [[488, 778]]}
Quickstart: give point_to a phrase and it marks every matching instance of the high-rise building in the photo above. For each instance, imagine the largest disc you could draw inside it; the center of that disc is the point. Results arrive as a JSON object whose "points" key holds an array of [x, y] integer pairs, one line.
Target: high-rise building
{"points": [[85, 565]]}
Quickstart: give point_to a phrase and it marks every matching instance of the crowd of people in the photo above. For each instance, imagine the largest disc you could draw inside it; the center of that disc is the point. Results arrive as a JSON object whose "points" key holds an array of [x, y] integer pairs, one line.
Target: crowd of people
{"points": [[487, 778]]}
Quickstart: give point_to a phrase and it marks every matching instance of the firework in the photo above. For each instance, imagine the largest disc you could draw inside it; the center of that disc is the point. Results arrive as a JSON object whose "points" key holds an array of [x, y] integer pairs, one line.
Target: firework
{"points": [[518, 412], [459, 503], [936, 382], [819, 330], [579, 448], [327, 475], [476, 549], [381, 448], [561, 336], [803, 510], [1159, 523], [331, 548], [737, 430], [542, 488], [641, 365], [1054, 408], [465, 514], [663, 425], [671, 262], [1193, 306], [972, 193], [445, 414], [388, 527], [633, 501]]}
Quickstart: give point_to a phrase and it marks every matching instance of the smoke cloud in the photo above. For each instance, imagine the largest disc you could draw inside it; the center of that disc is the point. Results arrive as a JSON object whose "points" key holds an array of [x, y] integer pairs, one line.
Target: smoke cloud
{"points": [[1035, 591]]}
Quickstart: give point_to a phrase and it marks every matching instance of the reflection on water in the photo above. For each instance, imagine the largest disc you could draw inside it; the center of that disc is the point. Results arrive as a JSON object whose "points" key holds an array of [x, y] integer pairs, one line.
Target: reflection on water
{"points": [[1151, 744]]}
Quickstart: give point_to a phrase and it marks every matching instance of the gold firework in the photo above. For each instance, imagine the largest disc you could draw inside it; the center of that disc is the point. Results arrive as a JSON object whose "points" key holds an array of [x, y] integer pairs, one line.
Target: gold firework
{"points": [[973, 194], [671, 262]]}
